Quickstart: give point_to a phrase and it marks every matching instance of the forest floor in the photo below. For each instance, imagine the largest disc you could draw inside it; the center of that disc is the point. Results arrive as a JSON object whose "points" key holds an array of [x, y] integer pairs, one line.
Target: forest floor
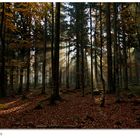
{"points": [[74, 111]]}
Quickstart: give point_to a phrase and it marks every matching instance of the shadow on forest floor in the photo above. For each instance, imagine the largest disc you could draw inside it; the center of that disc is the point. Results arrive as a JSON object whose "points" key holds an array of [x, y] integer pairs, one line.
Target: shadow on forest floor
{"points": [[74, 111]]}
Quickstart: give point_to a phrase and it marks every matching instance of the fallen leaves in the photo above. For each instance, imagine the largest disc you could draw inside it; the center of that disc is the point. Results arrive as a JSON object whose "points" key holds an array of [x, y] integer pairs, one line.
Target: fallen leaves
{"points": [[74, 111]]}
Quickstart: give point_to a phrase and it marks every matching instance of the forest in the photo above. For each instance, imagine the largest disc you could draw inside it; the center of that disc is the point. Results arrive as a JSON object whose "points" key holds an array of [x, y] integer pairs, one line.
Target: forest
{"points": [[69, 65]]}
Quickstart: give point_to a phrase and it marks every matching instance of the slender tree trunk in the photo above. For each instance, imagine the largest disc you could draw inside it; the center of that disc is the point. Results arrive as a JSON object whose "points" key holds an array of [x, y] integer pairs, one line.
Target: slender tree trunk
{"points": [[130, 66], [36, 70], [82, 72], [67, 65], [55, 95], [11, 79], [136, 67], [21, 81], [119, 59], [91, 54], [116, 55], [82, 67], [109, 50], [125, 62], [95, 52], [2, 63], [28, 54], [77, 52], [28, 70], [138, 36], [44, 57], [101, 57], [52, 44]]}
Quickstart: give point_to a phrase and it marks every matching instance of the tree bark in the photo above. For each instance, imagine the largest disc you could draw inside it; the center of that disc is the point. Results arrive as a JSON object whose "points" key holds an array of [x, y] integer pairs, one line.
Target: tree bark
{"points": [[91, 52], [55, 96], [44, 57], [116, 55], [101, 57], [109, 50], [2, 63], [52, 44]]}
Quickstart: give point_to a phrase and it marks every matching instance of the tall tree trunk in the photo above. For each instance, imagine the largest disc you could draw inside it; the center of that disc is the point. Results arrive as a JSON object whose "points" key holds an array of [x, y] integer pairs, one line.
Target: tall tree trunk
{"points": [[52, 44], [136, 50], [55, 95], [91, 52], [77, 51], [77, 67], [2, 63], [28, 69], [95, 52], [109, 50], [125, 69], [28, 54], [67, 65], [116, 55], [44, 56], [125, 62], [82, 71], [101, 57], [35, 64], [82, 67]]}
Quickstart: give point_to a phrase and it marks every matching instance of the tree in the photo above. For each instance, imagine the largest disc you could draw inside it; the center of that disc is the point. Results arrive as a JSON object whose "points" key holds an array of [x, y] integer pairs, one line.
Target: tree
{"points": [[116, 54], [55, 95], [109, 50], [2, 62], [44, 55], [101, 57], [91, 50], [52, 41]]}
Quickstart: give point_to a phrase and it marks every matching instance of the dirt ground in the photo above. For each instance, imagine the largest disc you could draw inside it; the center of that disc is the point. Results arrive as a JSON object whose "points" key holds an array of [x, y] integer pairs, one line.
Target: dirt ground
{"points": [[74, 111]]}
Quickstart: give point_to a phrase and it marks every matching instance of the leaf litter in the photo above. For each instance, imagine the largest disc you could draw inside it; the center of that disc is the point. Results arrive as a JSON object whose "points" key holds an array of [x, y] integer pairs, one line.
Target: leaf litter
{"points": [[74, 111]]}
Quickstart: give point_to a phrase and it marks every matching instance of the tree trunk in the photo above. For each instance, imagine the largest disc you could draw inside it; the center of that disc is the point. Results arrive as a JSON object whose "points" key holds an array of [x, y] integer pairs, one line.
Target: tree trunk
{"points": [[91, 52], [21, 81], [130, 66], [109, 50], [55, 96], [44, 57], [101, 56], [77, 52], [116, 55], [28, 69], [2, 63], [82, 66], [36, 70], [52, 44], [95, 52], [11, 79], [67, 65], [125, 61]]}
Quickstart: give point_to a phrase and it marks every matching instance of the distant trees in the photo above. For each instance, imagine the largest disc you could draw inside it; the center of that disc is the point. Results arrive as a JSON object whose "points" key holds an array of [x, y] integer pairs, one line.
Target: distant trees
{"points": [[78, 46]]}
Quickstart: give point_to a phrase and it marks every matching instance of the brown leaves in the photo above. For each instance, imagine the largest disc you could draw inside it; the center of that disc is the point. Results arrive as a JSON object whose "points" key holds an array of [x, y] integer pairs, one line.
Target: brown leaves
{"points": [[73, 112]]}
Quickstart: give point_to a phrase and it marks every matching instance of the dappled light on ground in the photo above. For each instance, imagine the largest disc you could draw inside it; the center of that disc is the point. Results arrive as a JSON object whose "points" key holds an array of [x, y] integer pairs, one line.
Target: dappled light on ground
{"points": [[74, 111]]}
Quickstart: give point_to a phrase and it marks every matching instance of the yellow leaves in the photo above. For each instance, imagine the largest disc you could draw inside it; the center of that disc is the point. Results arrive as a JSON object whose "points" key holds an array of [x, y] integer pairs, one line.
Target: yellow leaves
{"points": [[10, 26], [3, 106], [16, 63], [9, 15]]}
